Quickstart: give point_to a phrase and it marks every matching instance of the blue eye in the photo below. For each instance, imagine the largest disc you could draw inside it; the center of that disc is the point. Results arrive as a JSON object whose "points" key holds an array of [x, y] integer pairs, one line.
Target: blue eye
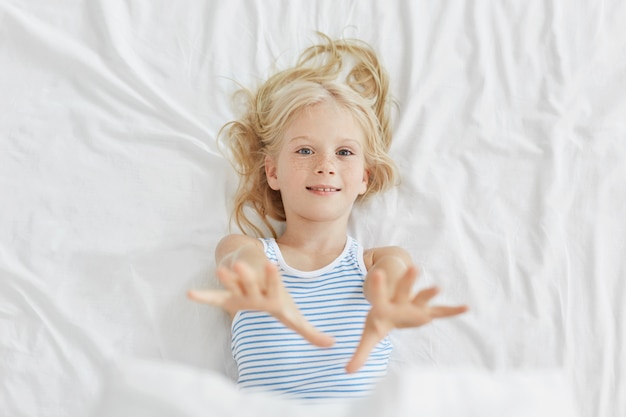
{"points": [[345, 152], [304, 151]]}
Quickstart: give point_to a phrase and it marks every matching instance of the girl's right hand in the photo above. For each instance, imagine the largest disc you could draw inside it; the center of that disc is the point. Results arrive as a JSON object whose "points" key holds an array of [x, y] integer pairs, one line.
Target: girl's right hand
{"points": [[244, 290]]}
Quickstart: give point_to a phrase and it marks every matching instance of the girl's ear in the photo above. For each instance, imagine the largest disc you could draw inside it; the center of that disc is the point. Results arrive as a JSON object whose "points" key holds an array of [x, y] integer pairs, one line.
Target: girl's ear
{"points": [[271, 173], [366, 180]]}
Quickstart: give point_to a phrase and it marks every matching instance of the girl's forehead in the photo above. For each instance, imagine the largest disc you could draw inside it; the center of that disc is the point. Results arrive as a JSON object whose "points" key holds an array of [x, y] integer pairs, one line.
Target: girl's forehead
{"points": [[327, 117]]}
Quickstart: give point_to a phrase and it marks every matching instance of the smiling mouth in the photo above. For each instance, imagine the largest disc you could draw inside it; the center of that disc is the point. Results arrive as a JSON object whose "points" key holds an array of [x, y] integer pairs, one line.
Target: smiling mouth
{"points": [[323, 189]]}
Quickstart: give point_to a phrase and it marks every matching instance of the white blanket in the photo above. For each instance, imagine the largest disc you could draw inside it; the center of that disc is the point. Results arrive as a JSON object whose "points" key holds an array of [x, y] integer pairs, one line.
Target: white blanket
{"points": [[510, 134], [138, 388]]}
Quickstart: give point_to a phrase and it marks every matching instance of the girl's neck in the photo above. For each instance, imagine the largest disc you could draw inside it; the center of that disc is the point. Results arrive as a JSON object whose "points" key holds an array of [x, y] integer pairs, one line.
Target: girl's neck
{"points": [[310, 249], [317, 238]]}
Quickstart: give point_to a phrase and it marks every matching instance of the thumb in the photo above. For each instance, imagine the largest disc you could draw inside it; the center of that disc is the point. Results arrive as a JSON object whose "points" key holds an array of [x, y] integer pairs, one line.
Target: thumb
{"points": [[212, 297]]}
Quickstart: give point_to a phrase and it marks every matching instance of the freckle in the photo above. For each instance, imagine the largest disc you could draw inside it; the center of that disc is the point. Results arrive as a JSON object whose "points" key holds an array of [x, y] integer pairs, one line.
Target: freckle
{"points": [[300, 165]]}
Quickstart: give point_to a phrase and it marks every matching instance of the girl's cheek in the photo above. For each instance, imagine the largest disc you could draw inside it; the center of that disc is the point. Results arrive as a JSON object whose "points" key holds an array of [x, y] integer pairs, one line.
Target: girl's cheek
{"points": [[299, 164]]}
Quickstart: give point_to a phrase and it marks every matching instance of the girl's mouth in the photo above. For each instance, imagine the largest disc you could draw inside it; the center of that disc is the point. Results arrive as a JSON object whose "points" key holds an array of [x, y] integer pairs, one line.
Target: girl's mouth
{"points": [[323, 189]]}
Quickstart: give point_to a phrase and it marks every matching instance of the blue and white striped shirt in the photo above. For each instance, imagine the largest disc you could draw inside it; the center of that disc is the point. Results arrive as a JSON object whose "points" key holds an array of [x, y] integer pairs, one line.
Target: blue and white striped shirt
{"points": [[272, 357]]}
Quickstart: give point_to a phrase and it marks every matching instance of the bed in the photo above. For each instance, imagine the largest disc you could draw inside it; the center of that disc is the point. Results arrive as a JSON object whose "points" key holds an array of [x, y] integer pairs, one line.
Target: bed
{"points": [[510, 136]]}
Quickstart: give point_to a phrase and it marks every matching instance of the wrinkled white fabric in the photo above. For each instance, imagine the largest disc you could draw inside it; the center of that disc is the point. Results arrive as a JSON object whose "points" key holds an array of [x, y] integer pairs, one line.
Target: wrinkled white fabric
{"points": [[137, 388], [510, 137]]}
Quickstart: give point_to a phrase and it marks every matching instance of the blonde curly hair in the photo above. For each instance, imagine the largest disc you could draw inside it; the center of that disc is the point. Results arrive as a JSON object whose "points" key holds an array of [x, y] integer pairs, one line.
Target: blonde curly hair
{"points": [[319, 75]]}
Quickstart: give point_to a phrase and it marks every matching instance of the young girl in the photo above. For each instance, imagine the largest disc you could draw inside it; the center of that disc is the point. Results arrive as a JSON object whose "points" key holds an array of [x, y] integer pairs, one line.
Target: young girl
{"points": [[310, 309]]}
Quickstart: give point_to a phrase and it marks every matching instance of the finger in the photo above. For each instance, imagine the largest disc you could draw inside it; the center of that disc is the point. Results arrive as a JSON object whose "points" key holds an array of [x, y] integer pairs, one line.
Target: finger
{"points": [[379, 293], [212, 297], [424, 296], [274, 280], [368, 341], [248, 282], [445, 311], [229, 281], [310, 333], [279, 300], [404, 286], [291, 316]]}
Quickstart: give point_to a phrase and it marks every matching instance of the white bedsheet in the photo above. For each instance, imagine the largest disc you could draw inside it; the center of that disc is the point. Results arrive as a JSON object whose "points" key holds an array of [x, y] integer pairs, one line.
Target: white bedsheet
{"points": [[510, 133]]}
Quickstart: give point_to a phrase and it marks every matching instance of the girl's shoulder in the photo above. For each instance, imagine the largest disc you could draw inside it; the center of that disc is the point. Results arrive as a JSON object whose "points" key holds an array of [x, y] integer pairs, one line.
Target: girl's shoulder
{"points": [[232, 242], [372, 255]]}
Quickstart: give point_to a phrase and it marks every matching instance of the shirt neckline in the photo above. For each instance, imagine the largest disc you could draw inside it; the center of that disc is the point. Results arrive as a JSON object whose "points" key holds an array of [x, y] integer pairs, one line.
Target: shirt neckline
{"points": [[309, 274]]}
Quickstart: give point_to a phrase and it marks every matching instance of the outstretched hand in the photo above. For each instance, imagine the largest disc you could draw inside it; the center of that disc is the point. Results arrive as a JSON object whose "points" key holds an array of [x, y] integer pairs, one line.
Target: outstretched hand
{"points": [[245, 290], [399, 308]]}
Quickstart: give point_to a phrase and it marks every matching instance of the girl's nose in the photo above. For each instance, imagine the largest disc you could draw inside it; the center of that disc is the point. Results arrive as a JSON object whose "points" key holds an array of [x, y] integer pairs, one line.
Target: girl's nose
{"points": [[325, 166]]}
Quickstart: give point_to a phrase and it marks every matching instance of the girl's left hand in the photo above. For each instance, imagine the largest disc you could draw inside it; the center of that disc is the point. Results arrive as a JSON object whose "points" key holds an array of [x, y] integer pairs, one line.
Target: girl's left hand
{"points": [[400, 309]]}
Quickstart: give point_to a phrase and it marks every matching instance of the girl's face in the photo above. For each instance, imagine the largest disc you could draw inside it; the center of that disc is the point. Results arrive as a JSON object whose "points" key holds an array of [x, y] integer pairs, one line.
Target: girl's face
{"points": [[320, 168]]}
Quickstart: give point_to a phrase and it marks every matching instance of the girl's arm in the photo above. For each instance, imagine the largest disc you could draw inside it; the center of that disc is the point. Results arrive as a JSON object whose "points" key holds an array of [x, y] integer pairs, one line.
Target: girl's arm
{"points": [[251, 282], [389, 289]]}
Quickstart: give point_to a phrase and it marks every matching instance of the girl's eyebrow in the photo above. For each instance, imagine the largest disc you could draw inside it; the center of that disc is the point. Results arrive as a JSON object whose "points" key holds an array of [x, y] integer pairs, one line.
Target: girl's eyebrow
{"points": [[342, 140], [298, 138]]}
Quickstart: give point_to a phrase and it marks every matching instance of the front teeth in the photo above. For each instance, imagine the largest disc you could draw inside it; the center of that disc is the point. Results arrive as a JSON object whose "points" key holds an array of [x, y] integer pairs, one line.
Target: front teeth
{"points": [[327, 190]]}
